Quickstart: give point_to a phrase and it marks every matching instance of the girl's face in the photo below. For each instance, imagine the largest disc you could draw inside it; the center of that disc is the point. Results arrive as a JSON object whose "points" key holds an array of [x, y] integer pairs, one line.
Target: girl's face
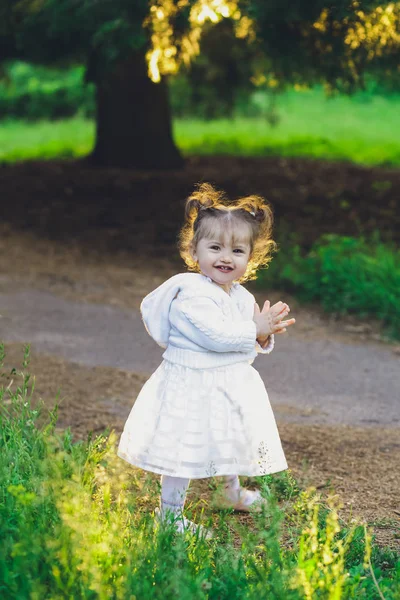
{"points": [[221, 259]]}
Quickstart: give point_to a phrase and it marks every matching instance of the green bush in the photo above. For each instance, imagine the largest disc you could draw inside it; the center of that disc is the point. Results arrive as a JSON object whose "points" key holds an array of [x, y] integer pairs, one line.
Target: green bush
{"points": [[76, 522], [344, 274], [32, 93]]}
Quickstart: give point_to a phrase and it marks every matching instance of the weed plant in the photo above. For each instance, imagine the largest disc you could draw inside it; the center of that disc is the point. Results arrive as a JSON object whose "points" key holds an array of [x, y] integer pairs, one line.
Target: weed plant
{"points": [[77, 522], [345, 275]]}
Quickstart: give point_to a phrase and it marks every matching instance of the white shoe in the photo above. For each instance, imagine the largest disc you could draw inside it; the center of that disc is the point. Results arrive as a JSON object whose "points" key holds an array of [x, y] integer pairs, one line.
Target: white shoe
{"points": [[242, 500], [182, 524]]}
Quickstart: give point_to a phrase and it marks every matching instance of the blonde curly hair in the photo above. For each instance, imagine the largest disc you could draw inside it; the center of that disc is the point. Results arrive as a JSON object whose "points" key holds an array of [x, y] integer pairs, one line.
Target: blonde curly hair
{"points": [[209, 213]]}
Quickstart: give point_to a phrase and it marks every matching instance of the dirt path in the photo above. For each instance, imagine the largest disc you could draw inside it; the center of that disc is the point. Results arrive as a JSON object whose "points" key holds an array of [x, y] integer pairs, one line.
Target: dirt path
{"points": [[310, 379], [334, 384]]}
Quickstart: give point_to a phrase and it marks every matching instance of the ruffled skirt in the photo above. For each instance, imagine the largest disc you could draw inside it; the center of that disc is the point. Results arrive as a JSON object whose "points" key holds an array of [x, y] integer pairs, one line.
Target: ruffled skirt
{"points": [[199, 423]]}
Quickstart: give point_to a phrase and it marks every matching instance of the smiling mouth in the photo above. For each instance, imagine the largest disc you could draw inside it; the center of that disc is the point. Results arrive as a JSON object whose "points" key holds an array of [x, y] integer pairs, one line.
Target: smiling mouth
{"points": [[224, 269]]}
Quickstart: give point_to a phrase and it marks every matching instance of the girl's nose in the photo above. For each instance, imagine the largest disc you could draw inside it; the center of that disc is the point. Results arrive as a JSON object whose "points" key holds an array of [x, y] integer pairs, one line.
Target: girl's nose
{"points": [[226, 255]]}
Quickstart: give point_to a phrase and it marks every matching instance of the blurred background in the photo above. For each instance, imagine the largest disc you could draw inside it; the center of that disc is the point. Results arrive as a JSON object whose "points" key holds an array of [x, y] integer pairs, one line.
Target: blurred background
{"points": [[110, 113]]}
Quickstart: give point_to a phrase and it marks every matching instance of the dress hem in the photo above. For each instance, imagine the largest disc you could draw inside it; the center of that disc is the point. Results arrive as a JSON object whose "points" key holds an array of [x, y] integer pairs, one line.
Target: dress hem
{"points": [[185, 473]]}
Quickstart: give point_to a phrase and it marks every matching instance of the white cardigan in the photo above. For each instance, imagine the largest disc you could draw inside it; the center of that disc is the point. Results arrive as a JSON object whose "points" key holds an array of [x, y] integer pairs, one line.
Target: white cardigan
{"points": [[200, 325]]}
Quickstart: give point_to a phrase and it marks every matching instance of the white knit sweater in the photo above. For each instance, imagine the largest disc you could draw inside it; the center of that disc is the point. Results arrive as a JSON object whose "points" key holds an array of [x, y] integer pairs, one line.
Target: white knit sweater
{"points": [[200, 325]]}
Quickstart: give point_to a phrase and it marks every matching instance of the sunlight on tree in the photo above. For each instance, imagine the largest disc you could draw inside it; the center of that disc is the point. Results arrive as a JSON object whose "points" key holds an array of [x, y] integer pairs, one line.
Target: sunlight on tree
{"points": [[374, 33], [168, 53], [377, 31]]}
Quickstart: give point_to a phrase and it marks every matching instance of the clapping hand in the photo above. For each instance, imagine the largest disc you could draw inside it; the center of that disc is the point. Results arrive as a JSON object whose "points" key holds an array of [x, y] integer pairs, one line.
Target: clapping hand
{"points": [[270, 320]]}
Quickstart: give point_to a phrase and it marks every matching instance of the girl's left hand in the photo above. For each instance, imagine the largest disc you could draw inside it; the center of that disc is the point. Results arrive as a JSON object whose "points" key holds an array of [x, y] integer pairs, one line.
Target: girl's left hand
{"points": [[283, 324], [284, 309]]}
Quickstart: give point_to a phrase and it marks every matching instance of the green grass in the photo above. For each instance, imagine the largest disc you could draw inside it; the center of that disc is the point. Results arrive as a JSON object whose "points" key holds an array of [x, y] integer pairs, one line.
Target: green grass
{"points": [[362, 129], [69, 138], [359, 276], [76, 522]]}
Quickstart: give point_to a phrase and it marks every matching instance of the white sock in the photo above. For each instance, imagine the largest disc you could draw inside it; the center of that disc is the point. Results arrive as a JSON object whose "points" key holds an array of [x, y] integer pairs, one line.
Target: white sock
{"points": [[231, 487], [235, 493], [173, 494]]}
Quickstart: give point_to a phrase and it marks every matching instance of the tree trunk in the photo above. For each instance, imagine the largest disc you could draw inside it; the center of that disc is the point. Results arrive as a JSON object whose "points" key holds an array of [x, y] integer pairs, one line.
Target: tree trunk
{"points": [[133, 119]]}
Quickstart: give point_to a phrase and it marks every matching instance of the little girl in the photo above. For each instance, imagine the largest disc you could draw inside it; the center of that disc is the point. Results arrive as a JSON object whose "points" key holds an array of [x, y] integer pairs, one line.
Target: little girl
{"points": [[205, 411]]}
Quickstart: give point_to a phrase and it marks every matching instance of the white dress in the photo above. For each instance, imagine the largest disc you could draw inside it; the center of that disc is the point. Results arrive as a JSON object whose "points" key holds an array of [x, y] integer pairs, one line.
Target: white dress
{"points": [[203, 422]]}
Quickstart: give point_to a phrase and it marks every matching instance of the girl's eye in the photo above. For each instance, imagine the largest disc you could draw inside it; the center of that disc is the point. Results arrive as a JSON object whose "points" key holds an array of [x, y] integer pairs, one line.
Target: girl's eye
{"points": [[217, 248]]}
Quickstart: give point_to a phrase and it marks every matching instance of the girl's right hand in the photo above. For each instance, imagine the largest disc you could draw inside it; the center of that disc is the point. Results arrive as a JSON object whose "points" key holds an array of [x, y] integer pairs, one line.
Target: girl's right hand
{"points": [[269, 320]]}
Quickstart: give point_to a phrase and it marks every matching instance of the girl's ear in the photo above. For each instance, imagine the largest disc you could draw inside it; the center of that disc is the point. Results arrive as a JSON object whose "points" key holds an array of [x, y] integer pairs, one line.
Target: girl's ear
{"points": [[193, 252]]}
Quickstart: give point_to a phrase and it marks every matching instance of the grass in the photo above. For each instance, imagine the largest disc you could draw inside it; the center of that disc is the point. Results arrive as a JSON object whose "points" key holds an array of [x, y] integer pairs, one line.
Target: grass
{"points": [[69, 138], [359, 129], [362, 129], [346, 275], [76, 522]]}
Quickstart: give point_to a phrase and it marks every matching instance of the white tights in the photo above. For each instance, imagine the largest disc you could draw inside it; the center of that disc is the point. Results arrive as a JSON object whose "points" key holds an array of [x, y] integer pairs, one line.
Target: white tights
{"points": [[173, 491]]}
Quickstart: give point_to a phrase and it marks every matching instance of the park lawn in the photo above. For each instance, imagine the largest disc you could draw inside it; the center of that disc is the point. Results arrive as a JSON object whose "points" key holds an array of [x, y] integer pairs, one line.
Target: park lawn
{"points": [[362, 129], [22, 140]]}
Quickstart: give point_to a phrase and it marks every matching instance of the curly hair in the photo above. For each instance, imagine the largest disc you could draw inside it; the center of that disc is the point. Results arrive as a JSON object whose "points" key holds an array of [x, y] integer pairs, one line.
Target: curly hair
{"points": [[209, 213]]}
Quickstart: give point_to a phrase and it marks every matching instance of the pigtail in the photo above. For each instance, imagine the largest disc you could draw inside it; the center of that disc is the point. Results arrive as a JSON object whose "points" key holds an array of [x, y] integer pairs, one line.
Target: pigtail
{"points": [[259, 214], [258, 208], [203, 198]]}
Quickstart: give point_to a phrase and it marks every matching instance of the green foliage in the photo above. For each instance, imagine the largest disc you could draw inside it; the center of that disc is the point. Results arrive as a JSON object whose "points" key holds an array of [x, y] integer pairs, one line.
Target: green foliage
{"points": [[288, 44], [217, 79], [307, 42], [208, 91], [344, 274], [33, 93], [54, 31], [199, 98], [76, 522]]}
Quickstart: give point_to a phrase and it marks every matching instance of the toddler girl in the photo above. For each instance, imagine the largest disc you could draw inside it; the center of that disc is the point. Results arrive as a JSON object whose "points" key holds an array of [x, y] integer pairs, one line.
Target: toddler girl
{"points": [[205, 411]]}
